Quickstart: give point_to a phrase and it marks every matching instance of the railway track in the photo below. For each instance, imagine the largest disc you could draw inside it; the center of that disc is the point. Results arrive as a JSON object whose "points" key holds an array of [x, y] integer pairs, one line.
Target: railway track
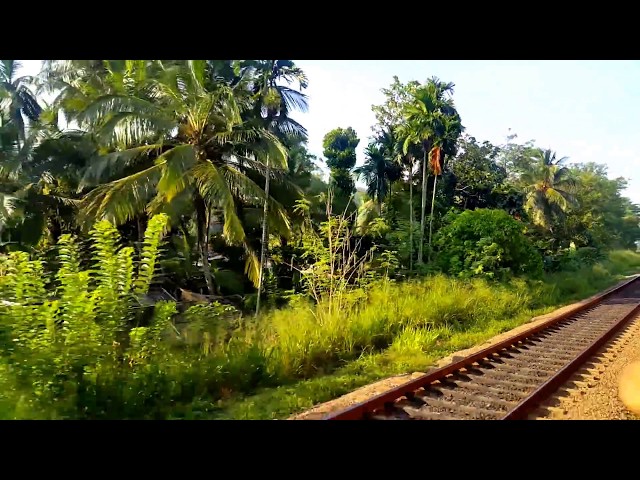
{"points": [[508, 380]]}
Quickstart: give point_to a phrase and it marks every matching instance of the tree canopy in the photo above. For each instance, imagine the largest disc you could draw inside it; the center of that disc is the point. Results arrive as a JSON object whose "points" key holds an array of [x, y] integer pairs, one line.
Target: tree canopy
{"points": [[170, 243], [213, 145]]}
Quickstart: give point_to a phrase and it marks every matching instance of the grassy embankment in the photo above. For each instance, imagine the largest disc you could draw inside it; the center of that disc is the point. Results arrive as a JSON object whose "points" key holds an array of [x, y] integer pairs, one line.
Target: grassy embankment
{"points": [[280, 364], [413, 325]]}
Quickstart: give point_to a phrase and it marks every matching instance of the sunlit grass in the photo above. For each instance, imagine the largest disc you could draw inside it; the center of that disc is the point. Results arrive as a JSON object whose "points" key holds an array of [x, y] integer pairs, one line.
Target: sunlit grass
{"points": [[404, 328], [293, 358]]}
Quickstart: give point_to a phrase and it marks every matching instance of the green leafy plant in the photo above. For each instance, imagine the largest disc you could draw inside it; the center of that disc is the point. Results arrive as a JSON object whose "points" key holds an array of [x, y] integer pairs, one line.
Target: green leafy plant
{"points": [[60, 347], [486, 242]]}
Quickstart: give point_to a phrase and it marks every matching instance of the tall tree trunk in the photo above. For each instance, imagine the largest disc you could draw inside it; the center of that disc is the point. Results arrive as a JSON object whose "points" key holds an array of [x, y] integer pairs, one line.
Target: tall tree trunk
{"points": [[140, 232], [424, 204], [411, 216], [263, 247], [202, 221], [389, 197], [433, 204], [56, 227]]}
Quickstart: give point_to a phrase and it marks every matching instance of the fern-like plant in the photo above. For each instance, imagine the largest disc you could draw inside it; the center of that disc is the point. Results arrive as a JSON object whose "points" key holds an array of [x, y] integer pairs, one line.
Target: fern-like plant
{"points": [[156, 228], [66, 345]]}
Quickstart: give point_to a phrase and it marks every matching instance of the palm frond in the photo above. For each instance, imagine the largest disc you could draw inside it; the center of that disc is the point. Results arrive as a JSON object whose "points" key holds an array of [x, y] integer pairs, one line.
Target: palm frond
{"points": [[10, 166], [124, 129], [249, 192], [179, 206], [564, 176], [121, 200], [555, 197], [175, 165], [253, 167], [30, 106], [106, 166], [66, 201], [251, 265], [112, 104], [270, 146], [258, 142], [293, 99], [8, 69], [571, 199], [214, 189], [7, 208], [289, 127], [197, 68]]}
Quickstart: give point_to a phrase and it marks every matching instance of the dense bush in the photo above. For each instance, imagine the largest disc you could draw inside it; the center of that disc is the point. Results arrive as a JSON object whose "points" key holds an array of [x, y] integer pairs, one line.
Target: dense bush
{"points": [[572, 259], [485, 242], [84, 343]]}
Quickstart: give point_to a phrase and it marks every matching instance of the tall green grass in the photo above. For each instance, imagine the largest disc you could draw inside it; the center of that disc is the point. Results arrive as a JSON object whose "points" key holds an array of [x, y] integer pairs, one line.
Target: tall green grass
{"points": [[401, 328], [302, 341], [291, 358]]}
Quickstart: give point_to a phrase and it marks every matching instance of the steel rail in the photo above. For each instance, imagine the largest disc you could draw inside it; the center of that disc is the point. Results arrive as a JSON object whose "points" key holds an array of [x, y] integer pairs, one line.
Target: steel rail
{"points": [[385, 400]]}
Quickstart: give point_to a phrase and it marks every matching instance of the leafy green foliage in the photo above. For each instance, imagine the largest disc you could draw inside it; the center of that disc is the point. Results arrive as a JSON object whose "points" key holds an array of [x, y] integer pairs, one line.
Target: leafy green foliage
{"points": [[64, 348], [390, 113], [477, 175], [408, 326], [155, 229], [602, 216], [210, 145], [486, 242], [340, 152], [333, 265], [340, 148], [64, 358]]}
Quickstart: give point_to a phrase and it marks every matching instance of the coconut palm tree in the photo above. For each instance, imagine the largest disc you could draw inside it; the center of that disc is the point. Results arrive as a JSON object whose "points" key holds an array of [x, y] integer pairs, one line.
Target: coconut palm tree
{"points": [[38, 165], [16, 98], [279, 85], [172, 141], [39, 180], [548, 186]]}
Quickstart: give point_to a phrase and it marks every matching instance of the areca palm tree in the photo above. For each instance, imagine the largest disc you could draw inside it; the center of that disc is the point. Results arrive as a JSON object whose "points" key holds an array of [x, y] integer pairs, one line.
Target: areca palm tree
{"points": [[173, 142], [426, 118], [393, 142], [378, 171], [548, 186], [448, 130]]}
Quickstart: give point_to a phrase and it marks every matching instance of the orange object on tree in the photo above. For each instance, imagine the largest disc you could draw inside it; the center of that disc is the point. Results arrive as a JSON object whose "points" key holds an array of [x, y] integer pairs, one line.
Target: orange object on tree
{"points": [[435, 160]]}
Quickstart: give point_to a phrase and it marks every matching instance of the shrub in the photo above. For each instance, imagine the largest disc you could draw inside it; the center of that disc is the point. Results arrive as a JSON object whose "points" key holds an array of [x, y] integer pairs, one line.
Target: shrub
{"points": [[572, 259], [82, 348], [623, 261], [485, 242]]}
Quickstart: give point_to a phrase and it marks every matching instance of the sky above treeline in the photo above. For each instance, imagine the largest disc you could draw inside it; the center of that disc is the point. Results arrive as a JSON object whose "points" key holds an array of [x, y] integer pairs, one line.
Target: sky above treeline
{"points": [[585, 110]]}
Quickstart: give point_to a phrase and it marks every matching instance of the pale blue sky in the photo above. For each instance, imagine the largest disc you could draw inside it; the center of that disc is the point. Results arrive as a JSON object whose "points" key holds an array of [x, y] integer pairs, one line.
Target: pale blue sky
{"points": [[586, 110]]}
